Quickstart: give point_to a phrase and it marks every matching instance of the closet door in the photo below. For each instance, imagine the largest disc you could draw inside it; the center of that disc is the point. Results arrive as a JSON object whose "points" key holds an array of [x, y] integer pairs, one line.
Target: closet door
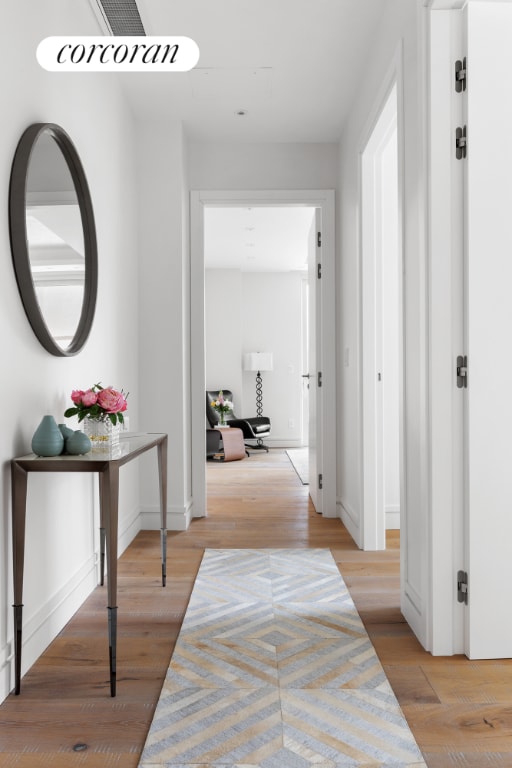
{"points": [[488, 284]]}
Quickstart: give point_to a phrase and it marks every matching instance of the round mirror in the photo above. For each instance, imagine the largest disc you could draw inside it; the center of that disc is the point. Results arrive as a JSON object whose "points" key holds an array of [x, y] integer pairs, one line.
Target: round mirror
{"points": [[53, 238]]}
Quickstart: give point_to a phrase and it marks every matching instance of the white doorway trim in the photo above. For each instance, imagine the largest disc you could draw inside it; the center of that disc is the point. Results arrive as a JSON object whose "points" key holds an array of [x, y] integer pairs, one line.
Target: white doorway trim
{"points": [[324, 200], [372, 532]]}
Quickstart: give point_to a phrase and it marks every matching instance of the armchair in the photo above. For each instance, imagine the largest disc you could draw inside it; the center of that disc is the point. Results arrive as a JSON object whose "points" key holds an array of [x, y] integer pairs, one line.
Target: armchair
{"points": [[254, 428]]}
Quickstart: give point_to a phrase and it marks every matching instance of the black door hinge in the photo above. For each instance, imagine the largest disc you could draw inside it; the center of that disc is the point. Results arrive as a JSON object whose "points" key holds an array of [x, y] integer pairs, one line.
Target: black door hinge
{"points": [[320, 482], [319, 378], [319, 271], [462, 372], [461, 143], [319, 239], [460, 75], [462, 587]]}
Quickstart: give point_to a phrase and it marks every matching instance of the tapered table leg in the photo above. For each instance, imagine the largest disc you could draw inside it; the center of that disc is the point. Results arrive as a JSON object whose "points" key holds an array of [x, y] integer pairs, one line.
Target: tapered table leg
{"points": [[102, 556], [162, 475], [19, 506], [109, 501], [18, 639], [112, 648]]}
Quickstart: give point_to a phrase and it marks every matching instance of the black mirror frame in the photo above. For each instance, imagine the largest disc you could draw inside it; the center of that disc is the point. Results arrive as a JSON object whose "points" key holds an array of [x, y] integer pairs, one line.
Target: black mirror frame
{"points": [[19, 244]]}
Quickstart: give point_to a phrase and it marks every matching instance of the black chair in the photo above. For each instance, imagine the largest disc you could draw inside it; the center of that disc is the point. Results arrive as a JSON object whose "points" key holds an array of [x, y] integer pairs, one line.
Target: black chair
{"points": [[213, 447], [255, 428]]}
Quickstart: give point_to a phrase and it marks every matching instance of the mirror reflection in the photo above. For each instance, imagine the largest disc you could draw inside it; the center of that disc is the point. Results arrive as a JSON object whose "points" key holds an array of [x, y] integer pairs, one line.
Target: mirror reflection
{"points": [[55, 240]]}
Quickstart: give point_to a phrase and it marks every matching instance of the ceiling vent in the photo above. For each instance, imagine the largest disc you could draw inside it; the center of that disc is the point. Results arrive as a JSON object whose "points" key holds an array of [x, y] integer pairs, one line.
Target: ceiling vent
{"points": [[121, 16]]}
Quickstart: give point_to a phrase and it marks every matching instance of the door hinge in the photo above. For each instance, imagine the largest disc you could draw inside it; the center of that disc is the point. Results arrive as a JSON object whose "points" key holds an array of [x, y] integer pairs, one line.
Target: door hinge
{"points": [[320, 482], [318, 239], [461, 143], [460, 75], [319, 271], [319, 378], [462, 372], [462, 587]]}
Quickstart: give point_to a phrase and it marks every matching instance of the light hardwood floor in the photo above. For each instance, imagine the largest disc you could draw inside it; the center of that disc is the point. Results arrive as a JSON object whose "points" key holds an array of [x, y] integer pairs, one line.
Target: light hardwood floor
{"points": [[459, 711]]}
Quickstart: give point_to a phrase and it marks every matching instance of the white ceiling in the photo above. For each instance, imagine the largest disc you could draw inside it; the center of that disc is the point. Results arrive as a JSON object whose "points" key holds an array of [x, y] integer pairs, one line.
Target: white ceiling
{"points": [[292, 65], [257, 239]]}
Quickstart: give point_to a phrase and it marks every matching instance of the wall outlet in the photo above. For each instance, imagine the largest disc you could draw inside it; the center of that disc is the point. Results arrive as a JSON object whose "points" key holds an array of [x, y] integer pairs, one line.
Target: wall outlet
{"points": [[291, 424]]}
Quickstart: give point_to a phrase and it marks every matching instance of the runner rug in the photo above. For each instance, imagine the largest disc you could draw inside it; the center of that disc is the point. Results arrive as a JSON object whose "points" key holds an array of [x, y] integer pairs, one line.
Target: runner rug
{"points": [[273, 668], [299, 459]]}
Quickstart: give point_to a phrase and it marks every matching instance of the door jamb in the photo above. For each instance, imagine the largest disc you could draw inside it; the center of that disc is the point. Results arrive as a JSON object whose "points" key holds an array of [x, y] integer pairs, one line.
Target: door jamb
{"points": [[325, 200], [368, 534]]}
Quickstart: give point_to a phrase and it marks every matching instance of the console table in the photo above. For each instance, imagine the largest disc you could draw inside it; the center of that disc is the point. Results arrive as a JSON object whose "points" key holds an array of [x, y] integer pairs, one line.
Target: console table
{"points": [[107, 465]]}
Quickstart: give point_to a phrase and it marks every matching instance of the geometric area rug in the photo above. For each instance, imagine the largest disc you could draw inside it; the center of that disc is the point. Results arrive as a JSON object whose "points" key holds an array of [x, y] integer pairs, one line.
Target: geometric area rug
{"points": [[273, 668], [299, 459]]}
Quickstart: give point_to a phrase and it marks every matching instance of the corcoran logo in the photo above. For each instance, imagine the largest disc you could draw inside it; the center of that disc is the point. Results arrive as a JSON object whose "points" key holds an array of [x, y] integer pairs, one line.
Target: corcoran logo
{"points": [[118, 54]]}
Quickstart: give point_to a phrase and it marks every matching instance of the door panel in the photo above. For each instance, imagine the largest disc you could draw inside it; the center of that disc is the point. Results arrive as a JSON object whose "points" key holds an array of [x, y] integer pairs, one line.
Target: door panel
{"points": [[313, 348], [488, 263]]}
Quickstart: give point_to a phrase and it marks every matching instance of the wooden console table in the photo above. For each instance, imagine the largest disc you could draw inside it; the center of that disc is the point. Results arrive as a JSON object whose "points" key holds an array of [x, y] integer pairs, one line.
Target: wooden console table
{"points": [[107, 466]]}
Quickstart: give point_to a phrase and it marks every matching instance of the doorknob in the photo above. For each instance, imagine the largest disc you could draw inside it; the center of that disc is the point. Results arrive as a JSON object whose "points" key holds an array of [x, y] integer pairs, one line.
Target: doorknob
{"points": [[306, 375]]}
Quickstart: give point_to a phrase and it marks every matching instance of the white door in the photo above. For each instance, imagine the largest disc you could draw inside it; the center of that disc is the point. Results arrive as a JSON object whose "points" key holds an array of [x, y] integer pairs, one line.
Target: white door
{"points": [[488, 263], [380, 324], [314, 325]]}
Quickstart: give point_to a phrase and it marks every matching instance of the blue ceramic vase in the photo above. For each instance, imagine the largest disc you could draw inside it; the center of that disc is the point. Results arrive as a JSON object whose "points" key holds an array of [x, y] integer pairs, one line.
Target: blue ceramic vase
{"points": [[48, 439], [78, 443], [66, 431]]}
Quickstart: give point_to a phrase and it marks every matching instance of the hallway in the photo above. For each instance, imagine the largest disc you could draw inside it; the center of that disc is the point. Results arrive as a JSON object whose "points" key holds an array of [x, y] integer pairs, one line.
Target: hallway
{"points": [[459, 711]]}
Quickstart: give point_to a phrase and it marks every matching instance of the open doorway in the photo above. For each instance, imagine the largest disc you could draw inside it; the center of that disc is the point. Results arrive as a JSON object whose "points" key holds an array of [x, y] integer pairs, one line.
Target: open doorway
{"points": [[381, 327], [323, 202], [257, 289], [255, 262]]}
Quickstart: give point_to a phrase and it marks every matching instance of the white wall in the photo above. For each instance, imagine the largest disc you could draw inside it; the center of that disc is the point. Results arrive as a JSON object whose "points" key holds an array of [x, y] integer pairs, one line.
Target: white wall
{"points": [[164, 311], [244, 166], [262, 312], [401, 30], [275, 328], [223, 331], [390, 334], [61, 534]]}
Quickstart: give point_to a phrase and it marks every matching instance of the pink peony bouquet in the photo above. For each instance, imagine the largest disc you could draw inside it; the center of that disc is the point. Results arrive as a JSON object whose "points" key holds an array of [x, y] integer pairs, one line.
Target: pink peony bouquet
{"points": [[98, 403]]}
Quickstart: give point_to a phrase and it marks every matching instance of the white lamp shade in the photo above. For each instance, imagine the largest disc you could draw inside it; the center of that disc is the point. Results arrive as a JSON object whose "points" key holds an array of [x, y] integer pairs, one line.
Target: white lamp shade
{"points": [[258, 361]]}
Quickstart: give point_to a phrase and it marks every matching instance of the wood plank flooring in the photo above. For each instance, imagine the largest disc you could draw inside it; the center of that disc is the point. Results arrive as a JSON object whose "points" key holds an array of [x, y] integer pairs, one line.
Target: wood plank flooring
{"points": [[459, 711]]}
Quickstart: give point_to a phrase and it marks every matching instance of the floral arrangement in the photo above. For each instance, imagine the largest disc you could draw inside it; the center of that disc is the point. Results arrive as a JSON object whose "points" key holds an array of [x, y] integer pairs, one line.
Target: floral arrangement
{"points": [[98, 403], [222, 406]]}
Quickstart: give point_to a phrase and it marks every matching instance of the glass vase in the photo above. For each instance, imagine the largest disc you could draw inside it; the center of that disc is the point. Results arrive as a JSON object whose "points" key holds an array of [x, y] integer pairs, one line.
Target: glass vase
{"points": [[104, 435]]}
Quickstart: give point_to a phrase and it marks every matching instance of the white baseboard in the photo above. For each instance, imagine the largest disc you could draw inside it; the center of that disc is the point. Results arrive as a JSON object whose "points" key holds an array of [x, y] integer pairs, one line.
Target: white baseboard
{"points": [[392, 518], [178, 518], [412, 610], [43, 626], [129, 532], [350, 520], [284, 442], [40, 629]]}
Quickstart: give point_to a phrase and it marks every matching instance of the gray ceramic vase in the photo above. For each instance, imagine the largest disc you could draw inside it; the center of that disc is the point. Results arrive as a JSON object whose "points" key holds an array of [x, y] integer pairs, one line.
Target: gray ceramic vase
{"points": [[66, 431], [78, 443], [47, 439]]}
